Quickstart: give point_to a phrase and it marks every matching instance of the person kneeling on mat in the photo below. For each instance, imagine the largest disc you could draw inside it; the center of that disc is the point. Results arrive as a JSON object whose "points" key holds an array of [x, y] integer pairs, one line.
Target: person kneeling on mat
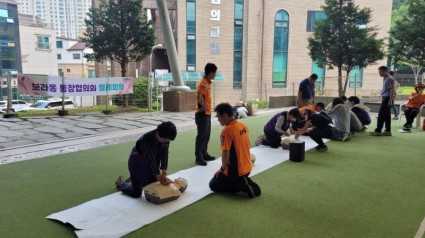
{"points": [[278, 126], [236, 165], [148, 160]]}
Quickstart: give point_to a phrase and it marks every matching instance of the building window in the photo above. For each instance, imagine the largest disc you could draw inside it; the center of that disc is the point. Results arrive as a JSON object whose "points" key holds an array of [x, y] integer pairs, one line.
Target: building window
{"points": [[238, 44], [312, 17], [59, 44], [68, 70], [76, 56], [191, 17], [191, 35], [280, 49], [59, 56], [320, 71], [356, 78], [43, 42], [4, 13], [191, 55], [60, 72], [92, 73]]}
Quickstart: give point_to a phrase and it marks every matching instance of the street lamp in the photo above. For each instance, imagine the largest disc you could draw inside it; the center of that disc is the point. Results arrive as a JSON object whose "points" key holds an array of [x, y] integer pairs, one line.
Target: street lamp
{"points": [[150, 77]]}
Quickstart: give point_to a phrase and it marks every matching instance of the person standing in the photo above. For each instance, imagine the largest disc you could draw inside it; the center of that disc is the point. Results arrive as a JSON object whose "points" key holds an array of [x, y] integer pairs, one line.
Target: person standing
{"points": [[384, 114], [396, 86], [236, 165], [306, 93], [203, 115], [148, 160]]}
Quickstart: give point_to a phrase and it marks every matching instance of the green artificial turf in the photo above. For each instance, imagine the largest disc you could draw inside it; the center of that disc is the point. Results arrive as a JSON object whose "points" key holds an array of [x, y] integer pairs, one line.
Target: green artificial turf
{"points": [[366, 187]]}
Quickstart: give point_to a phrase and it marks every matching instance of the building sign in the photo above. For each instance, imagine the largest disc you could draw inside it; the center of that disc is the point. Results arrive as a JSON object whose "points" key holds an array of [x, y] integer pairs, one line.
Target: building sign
{"points": [[215, 30], [215, 15], [214, 48], [31, 84]]}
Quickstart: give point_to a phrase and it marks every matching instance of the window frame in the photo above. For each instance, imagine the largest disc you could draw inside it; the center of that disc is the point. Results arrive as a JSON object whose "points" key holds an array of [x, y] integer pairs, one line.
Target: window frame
{"points": [[280, 77], [42, 44]]}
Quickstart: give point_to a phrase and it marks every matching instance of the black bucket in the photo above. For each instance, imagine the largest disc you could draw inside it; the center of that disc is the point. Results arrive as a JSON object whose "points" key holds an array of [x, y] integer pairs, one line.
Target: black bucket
{"points": [[297, 151]]}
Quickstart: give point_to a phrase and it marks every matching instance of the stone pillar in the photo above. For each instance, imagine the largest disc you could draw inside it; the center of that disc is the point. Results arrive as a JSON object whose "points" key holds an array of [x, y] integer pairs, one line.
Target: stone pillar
{"points": [[179, 101]]}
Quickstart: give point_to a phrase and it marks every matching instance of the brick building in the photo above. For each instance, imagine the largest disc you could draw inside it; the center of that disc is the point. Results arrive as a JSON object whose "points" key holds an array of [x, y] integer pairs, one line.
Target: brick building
{"points": [[260, 47]]}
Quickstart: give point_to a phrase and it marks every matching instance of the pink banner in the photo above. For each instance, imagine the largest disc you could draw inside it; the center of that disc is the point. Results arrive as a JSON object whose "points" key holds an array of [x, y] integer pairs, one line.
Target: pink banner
{"points": [[32, 84]]}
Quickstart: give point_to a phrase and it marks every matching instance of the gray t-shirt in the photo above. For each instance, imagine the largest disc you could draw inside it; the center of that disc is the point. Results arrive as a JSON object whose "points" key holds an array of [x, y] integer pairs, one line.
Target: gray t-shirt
{"points": [[341, 116]]}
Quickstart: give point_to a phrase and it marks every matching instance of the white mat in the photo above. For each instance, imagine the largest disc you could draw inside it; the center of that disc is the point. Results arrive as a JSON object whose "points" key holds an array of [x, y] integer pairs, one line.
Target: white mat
{"points": [[116, 215]]}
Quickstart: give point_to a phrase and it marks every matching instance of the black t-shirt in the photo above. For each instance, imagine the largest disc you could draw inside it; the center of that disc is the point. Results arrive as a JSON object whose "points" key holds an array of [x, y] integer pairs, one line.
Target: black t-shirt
{"points": [[319, 121]]}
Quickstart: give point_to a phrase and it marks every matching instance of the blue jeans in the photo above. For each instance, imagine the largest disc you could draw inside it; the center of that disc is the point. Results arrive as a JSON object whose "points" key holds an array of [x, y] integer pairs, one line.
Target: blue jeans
{"points": [[394, 110]]}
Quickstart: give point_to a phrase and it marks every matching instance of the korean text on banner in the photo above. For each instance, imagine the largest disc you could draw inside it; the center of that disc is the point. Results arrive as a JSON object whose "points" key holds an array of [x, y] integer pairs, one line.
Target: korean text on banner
{"points": [[32, 84]]}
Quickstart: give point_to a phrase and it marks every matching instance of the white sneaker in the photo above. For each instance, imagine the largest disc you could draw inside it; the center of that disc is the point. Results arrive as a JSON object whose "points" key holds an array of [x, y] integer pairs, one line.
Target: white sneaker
{"points": [[259, 140], [346, 136]]}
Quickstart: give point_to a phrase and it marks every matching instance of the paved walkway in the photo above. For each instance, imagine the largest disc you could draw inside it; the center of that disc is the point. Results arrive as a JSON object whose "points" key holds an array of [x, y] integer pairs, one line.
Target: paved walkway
{"points": [[36, 137]]}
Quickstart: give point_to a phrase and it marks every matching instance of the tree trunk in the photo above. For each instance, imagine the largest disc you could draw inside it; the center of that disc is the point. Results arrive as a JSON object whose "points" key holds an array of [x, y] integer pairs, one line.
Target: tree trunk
{"points": [[345, 84], [123, 73], [340, 81]]}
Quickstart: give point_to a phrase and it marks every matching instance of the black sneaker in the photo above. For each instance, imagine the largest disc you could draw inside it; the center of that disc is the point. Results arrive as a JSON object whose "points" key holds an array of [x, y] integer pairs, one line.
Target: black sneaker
{"points": [[322, 148], [209, 158], [201, 162], [247, 188], [255, 187]]}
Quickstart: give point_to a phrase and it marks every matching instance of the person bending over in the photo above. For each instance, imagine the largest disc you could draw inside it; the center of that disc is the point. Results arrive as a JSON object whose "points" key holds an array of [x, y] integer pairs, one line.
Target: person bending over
{"points": [[340, 113], [319, 127], [148, 160], [277, 127], [360, 110], [236, 165]]}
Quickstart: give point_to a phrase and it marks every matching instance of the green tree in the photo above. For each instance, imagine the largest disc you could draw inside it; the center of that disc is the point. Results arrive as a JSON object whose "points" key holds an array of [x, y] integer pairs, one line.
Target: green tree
{"points": [[408, 38], [344, 40], [118, 30], [139, 97], [398, 3]]}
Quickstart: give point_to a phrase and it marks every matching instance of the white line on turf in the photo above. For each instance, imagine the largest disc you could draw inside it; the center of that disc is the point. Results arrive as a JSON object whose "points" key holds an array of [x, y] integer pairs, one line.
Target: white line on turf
{"points": [[421, 230]]}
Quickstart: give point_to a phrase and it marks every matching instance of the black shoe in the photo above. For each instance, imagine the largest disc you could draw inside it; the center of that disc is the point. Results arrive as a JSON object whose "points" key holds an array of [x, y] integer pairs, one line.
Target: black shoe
{"points": [[247, 188], [322, 148], [256, 188], [201, 162], [209, 158]]}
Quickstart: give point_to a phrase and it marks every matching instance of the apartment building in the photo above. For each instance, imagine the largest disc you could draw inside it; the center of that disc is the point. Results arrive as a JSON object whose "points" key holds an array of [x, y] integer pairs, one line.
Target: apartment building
{"points": [[65, 16], [71, 60], [37, 46], [10, 50]]}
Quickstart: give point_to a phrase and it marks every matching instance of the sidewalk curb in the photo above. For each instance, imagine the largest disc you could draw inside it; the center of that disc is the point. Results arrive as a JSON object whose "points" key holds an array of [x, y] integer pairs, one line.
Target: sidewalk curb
{"points": [[40, 150]]}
